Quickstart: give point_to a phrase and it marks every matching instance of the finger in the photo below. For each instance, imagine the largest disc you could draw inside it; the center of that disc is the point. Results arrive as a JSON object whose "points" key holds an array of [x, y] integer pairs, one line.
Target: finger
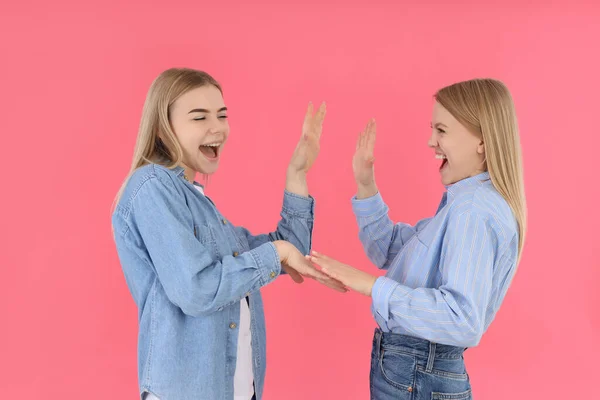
{"points": [[337, 288], [321, 263], [309, 111], [296, 277], [320, 118], [311, 272], [308, 119], [358, 140], [335, 285], [371, 137], [368, 130], [320, 255], [333, 274], [362, 138], [317, 261]]}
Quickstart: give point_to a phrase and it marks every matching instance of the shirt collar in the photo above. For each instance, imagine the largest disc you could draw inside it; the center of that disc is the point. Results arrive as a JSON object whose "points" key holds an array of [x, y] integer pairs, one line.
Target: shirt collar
{"points": [[467, 183], [179, 172]]}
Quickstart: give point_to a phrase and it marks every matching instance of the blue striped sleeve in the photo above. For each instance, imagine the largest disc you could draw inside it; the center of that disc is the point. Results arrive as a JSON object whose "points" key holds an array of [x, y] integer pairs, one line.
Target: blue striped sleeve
{"points": [[381, 238], [455, 312]]}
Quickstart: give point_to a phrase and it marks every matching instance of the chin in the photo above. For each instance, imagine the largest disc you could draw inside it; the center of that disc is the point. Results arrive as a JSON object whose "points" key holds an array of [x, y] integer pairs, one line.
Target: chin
{"points": [[208, 169], [449, 181]]}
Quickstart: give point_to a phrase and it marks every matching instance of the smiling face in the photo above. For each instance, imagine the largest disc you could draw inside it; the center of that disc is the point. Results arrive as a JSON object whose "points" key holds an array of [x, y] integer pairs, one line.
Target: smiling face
{"points": [[199, 121], [461, 151]]}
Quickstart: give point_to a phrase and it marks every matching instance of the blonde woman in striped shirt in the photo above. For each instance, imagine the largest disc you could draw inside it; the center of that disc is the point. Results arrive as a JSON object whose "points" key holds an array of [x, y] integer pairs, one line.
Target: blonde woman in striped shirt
{"points": [[448, 274]]}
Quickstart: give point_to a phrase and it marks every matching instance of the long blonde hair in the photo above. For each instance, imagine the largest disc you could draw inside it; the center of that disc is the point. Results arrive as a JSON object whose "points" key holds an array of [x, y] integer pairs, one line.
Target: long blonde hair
{"points": [[156, 142], [486, 108]]}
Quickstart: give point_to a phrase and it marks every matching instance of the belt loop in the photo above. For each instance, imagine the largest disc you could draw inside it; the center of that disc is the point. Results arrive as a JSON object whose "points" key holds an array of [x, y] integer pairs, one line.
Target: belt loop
{"points": [[431, 357], [378, 334]]}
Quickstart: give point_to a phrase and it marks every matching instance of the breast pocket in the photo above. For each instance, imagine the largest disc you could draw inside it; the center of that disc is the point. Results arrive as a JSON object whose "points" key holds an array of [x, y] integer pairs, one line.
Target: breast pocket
{"points": [[206, 236]]}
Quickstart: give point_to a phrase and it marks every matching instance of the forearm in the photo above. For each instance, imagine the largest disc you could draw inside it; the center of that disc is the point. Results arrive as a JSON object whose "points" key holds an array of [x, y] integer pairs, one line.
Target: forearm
{"points": [[442, 315], [366, 191], [295, 182]]}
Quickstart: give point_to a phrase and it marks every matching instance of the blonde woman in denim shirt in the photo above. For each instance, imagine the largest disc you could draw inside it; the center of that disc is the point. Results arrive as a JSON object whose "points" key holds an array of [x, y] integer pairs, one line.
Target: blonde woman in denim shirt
{"points": [[448, 274], [194, 276]]}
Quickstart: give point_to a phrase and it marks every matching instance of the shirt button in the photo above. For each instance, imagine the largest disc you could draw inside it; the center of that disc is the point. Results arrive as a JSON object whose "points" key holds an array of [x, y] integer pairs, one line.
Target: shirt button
{"points": [[224, 221], [272, 275], [235, 254], [233, 325]]}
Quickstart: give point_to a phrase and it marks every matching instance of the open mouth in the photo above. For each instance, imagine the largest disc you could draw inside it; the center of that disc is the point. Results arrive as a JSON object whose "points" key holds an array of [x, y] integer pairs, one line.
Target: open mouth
{"points": [[443, 158], [211, 150]]}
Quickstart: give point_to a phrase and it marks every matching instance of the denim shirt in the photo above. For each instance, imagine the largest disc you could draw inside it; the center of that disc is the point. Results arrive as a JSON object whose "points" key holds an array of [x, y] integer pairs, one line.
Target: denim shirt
{"points": [[187, 268]]}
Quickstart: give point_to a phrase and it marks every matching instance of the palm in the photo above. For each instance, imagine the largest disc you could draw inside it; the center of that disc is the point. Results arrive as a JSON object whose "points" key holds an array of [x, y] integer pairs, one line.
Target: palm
{"points": [[362, 162], [308, 147], [348, 276]]}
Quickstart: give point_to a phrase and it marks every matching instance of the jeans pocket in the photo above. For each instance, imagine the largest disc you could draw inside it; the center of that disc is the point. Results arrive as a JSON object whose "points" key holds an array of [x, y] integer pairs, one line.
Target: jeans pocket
{"points": [[452, 396], [444, 374], [398, 368]]}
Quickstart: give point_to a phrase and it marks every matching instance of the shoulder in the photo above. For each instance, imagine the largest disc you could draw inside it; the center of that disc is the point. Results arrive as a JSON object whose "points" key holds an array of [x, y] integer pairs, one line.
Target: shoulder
{"points": [[143, 183], [485, 206]]}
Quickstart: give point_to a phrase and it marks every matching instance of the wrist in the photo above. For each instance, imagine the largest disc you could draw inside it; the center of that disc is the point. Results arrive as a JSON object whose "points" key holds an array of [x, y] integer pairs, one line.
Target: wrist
{"points": [[295, 174], [295, 182], [282, 249], [372, 281], [365, 191]]}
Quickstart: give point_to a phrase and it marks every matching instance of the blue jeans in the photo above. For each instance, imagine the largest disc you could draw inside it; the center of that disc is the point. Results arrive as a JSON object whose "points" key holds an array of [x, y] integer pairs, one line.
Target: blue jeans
{"points": [[408, 368]]}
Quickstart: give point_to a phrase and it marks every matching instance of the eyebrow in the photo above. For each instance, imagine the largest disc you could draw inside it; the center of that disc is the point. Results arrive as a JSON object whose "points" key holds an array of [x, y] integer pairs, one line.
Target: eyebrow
{"points": [[439, 124], [203, 110]]}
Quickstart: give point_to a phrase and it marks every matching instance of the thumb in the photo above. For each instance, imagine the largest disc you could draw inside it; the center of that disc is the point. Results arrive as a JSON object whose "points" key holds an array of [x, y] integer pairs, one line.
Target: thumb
{"points": [[296, 277]]}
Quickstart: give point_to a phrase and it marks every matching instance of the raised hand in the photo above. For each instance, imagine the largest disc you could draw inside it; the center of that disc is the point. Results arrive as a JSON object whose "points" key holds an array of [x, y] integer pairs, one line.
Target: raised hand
{"points": [[308, 146], [363, 162]]}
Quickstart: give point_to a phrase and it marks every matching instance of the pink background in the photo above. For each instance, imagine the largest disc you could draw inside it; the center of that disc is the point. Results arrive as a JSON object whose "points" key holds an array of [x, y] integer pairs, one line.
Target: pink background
{"points": [[73, 78]]}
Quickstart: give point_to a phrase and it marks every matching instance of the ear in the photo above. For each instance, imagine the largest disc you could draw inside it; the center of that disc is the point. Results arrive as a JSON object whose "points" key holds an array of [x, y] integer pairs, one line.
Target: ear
{"points": [[481, 148]]}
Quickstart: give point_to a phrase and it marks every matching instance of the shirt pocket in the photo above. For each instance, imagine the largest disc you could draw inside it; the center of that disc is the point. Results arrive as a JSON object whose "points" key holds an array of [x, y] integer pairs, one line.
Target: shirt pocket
{"points": [[205, 235]]}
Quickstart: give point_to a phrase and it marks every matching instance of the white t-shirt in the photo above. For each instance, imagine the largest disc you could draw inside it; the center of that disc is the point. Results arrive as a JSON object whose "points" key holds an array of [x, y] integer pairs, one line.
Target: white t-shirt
{"points": [[243, 380]]}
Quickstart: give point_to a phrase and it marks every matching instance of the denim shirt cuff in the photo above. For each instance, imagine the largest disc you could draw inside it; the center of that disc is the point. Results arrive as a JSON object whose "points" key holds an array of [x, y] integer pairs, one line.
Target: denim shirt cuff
{"points": [[268, 262], [381, 294], [369, 206], [295, 204]]}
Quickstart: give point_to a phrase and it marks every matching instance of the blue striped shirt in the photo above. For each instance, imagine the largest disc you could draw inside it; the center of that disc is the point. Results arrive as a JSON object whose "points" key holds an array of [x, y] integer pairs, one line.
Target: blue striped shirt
{"points": [[448, 274]]}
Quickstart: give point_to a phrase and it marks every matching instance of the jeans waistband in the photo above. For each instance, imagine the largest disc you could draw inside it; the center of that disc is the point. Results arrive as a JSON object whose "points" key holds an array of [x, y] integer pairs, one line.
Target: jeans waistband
{"points": [[416, 346]]}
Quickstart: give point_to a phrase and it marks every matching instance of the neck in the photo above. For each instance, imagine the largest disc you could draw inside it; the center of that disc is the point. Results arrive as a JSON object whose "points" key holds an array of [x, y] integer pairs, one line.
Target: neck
{"points": [[190, 174]]}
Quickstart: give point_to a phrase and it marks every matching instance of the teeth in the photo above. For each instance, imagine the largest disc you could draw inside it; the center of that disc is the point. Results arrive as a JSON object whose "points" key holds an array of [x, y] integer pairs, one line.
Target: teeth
{"points": [[440, 156], [212, 145]]}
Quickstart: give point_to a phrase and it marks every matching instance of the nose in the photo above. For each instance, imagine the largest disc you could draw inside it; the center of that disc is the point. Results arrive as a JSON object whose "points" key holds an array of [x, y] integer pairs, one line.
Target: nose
{"points": [[215, 128], [432, 142]]}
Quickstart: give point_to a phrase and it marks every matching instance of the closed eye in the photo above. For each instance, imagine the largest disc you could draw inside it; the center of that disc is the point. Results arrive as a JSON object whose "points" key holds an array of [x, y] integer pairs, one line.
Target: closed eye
{"points": [[203, 118], [441, 130]]}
